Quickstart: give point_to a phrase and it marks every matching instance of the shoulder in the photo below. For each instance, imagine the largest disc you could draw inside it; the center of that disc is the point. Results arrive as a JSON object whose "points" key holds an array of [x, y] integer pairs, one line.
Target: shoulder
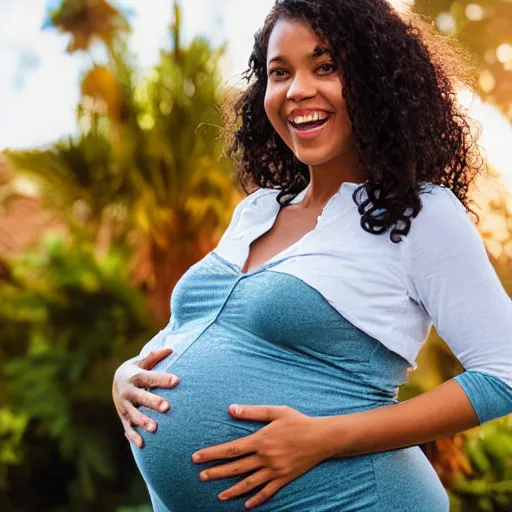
{"points": [[262, 192], [442, 230], [441, 213], [245, 214], [246, 206], [438, 199], [253, 198]]}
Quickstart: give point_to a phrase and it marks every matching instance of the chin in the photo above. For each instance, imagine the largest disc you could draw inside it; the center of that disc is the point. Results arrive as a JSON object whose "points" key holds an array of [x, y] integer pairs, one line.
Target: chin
{"points": [[313, 158]]}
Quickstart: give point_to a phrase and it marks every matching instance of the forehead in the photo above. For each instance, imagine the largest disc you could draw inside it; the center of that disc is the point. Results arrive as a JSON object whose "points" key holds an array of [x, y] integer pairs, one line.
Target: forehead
{"points": [[294, 40]]}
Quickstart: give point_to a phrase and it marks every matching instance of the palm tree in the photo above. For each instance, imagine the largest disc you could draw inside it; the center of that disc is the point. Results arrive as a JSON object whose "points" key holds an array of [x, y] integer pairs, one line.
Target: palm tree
{"points": [[147, 167], [86, 21]]}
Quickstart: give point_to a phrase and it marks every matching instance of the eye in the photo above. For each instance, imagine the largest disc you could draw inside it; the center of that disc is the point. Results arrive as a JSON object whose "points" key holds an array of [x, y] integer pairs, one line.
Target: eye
{"points": [[330, 67], [277, 70]]}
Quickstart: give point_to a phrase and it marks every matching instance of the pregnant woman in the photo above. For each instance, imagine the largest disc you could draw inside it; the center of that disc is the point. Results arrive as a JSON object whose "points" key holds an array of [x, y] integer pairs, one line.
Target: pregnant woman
{"points": [[312, 308]]}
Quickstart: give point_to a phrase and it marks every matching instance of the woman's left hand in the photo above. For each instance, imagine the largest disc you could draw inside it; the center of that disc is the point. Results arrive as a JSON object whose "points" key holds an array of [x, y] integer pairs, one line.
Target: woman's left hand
{"points": [[289, 446]]}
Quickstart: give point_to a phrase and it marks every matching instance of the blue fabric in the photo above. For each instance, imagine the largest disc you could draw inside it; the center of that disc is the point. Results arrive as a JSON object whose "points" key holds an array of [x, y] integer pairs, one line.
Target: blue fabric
{"points": [[267, 337], [491, 398]]}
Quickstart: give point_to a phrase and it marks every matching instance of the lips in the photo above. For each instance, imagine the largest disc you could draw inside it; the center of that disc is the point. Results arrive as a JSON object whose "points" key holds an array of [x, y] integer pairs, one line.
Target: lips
{"points": [[308, 132], [306, 112], [309, 125]]}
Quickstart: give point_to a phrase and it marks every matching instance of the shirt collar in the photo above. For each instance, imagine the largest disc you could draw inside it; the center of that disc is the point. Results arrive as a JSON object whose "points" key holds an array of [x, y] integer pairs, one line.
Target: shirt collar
{"points": [[346, 186]]}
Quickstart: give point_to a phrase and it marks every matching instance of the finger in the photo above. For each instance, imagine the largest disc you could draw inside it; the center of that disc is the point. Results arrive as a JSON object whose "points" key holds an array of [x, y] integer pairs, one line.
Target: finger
{"points": [[266, 493], [135, 417], [238, 467], [132, 436], [247, 484], [148, 379], [154, 357], [258, 412], [240, 446], [147, 399]]}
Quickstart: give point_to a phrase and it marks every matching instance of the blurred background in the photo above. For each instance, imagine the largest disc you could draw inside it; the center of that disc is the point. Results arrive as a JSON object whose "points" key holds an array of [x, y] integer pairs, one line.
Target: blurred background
{"points": [[113, 182]]}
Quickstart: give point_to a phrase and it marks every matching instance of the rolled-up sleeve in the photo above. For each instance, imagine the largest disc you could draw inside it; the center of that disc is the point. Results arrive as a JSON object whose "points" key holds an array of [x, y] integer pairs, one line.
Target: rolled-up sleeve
{"points": [[453, 279]]}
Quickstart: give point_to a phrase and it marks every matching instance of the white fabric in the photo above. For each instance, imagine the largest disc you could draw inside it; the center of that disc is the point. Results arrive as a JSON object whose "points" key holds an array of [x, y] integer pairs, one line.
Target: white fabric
{"points": [[440, 273]]}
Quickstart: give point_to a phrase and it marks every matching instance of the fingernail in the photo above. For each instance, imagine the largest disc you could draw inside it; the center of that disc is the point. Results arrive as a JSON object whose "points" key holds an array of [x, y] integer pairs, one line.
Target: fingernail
{"points": [[250, 503], [164, 406], [151, 426]]}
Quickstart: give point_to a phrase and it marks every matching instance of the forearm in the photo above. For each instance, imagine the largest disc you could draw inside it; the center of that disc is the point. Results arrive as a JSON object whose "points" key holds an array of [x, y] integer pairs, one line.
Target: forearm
{"points": [[443, 411]]}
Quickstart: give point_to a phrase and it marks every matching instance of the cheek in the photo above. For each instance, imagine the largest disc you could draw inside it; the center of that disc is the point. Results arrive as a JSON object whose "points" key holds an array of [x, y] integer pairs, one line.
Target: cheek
{"points": [[273, 106], [270, 107], [339, 103], [345, 122], [334, 94]]}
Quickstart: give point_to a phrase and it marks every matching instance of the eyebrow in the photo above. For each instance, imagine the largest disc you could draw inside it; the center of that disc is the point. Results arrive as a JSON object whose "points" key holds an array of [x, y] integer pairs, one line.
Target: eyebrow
{"points": [[317, 52]]}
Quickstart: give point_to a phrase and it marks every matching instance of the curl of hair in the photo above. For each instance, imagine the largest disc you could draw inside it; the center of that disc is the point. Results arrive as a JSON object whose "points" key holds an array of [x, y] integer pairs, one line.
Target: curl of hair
{"points": [[399, 80]]}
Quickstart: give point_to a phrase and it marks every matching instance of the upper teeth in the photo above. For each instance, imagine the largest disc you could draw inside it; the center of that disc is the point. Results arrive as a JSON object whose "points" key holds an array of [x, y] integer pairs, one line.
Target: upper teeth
{"points": [[317, 116]]}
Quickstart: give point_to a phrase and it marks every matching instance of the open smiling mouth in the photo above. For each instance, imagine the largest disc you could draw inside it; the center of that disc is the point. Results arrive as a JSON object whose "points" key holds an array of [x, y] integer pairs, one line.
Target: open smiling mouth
{"points": [[303, 127]]}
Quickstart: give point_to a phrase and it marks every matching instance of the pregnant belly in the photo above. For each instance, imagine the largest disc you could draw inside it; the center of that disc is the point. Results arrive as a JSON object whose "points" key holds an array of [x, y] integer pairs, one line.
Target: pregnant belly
{"points": [[220, 369], [393, 481], [166, 465]]}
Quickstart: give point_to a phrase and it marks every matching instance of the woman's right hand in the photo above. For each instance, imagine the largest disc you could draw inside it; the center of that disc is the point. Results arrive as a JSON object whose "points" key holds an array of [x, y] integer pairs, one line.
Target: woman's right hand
{"points": [[129, 390]]}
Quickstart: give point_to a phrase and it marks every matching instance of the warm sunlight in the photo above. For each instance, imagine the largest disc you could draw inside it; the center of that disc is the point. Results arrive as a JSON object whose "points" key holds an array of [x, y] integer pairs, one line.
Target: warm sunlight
{"points": [[496, 137], [158, 306], [22, 125], [401, 5]]}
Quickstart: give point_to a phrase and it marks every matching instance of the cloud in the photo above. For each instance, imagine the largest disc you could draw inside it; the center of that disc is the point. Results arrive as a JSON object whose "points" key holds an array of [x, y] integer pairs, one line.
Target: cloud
{"points": [[241, 21], [38, 80]]}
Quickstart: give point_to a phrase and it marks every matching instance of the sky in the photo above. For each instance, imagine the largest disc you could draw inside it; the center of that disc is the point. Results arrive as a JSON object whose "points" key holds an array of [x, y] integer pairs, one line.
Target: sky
{"points": [[39, 81]]}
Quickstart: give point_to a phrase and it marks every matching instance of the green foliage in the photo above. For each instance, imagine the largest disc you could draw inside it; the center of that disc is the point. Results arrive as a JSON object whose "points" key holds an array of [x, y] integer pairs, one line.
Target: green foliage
{"points": [[489, 449], [145, 171], [147, 146], [73, 171], [177, 150], [147, 164], [67, 321]]}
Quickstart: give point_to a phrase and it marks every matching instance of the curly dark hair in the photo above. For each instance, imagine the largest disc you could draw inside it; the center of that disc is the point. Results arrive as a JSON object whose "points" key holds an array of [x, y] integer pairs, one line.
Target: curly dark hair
{"points": [[399, 81]]}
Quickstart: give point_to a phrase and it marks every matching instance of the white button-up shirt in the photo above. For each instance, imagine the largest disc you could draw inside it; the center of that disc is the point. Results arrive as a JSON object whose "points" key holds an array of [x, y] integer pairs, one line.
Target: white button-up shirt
{"points": [[439, 274]]}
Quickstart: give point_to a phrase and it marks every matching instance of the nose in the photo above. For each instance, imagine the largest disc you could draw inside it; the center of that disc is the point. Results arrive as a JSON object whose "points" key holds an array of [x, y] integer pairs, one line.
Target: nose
{"points": [[301, 87]]}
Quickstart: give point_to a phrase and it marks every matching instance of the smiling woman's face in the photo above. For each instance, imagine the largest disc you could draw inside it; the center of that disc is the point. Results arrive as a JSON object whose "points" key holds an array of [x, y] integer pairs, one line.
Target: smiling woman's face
{"points": [[303, 82]]}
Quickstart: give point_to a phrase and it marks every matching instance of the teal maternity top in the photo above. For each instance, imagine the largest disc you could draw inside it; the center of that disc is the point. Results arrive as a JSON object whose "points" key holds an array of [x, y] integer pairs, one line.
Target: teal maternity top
{"points": [[285, 335]]}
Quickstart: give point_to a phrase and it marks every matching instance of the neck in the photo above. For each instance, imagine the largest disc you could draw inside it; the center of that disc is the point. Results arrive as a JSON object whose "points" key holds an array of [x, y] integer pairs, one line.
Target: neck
{"points": [[327, 178]]}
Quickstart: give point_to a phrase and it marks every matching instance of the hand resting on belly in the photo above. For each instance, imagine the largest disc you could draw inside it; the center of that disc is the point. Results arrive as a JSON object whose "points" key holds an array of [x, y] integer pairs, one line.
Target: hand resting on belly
{"points": [[130, 389]]}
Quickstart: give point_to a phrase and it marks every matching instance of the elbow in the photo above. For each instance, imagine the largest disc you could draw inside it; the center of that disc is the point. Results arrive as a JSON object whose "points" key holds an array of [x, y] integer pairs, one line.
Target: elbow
{"points": [[490, 396]]}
